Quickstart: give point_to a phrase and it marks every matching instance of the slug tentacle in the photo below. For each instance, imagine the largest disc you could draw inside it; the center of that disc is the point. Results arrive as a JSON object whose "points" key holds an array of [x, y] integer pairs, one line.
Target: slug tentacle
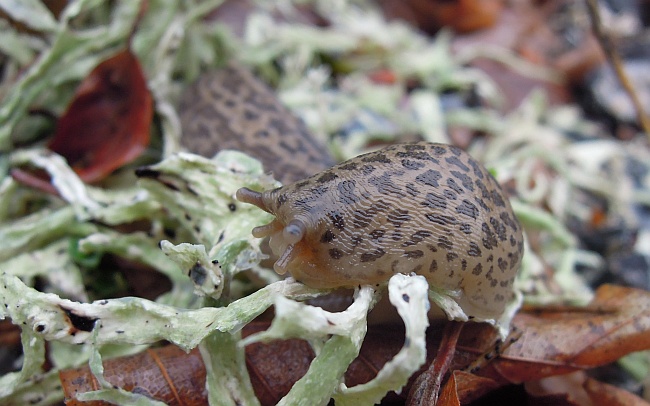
{"points": [[294, 231], [267, 229], [250, 196], [281, 266]]}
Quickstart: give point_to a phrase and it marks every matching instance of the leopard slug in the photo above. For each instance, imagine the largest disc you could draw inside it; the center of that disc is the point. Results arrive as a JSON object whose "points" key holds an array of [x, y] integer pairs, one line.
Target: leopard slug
{"points": [[230, 108], [422, 207]]}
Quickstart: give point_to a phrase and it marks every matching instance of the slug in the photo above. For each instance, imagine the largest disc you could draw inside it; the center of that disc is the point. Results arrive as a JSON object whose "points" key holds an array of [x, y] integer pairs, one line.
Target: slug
{"points": [[230, 108], [422, 207]]}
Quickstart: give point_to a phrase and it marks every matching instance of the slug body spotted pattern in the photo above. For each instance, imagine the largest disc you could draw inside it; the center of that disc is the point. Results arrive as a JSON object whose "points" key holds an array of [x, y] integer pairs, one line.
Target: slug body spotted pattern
{"points": [[425, 208], [230, 108]]}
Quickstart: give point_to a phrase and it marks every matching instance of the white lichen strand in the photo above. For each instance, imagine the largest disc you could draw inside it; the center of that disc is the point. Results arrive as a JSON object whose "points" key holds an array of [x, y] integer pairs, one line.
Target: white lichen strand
{"points": [[293, 319], [133, 320], [193, 260], [409, 295]]}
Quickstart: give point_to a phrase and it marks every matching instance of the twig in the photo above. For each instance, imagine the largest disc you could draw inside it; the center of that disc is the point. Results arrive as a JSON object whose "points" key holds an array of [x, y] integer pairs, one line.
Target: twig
{"points": [[615, 59], [426, 388]]}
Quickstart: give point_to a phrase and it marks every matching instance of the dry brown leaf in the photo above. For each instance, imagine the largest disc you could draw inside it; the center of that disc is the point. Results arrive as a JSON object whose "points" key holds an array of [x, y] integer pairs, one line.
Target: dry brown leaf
{"points": [[466, 387], [553, 342], [558, 341], [167, 374], [602, 394], [107, 124]]}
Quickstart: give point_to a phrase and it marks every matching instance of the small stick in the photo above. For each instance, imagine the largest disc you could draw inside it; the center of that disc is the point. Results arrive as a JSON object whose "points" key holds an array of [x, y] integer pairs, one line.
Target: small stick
{"points": [[426, 388], [615, 60], [494, 352]]}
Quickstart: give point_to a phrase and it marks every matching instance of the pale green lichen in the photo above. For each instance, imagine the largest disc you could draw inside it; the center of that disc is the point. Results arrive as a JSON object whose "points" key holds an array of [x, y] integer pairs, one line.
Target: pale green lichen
{"points": [[43, 235], [409, 296]]}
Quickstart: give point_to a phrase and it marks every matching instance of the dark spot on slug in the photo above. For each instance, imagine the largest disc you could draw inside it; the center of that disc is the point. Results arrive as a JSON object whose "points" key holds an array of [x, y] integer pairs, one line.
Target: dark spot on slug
{"points": [[429, 178], [505, 217], [445, 243], [497, 199], [337, 220], [435, 201], [499, 228], [398, 217], [349, 166], [414, 254], [465, 179], [385, 185], [468, 209], [438, 150], [455, 186], [412, 190], [455, 150], [502, 264], [465, 228], [449, 194], [441, 219], [481, 203], [412, 165], [451, 256], [417, 238], [476, 168], [326, 177], [335, 253], [328, 236], [474, 250], [261, 134], [346, 192], [377, 157], [453, 160], [411, 148], [485, 193], [489, 239], [282, 199], [367, 169], [372, 255]]}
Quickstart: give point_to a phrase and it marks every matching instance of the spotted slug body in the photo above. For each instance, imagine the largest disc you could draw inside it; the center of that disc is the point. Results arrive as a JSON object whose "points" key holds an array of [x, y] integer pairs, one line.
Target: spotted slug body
{"points": [[425, 208], [231, 109]]}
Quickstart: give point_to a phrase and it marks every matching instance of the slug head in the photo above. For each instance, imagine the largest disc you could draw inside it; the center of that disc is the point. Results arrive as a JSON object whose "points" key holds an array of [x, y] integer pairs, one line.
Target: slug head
{"points": [[286, 235]]}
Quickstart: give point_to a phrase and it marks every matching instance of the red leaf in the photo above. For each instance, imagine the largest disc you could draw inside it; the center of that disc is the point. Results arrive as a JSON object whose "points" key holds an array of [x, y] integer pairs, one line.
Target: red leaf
{"points": [[107, 123]]}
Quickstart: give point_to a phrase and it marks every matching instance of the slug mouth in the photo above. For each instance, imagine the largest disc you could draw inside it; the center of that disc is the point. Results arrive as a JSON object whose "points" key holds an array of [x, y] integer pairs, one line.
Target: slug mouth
{"points": [[283, 241]]}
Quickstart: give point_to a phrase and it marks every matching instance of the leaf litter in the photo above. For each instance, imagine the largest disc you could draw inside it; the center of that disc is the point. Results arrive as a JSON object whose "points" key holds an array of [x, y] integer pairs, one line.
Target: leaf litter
{"points": [[530, 147]]}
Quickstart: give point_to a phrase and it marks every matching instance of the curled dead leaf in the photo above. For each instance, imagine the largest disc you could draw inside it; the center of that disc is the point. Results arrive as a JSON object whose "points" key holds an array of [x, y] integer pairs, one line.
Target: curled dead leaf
{"points": [[107, 123]]}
